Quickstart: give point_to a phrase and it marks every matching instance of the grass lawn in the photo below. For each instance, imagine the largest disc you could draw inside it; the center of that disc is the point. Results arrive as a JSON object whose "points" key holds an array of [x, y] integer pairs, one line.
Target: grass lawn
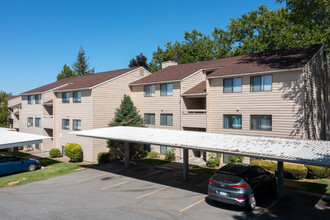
{"points": [[203, 170], [156, 162], [54, 168], [313, 186]]}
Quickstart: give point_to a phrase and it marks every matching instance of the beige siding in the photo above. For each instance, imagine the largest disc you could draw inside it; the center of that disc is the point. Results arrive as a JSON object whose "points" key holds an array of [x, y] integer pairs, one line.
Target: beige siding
{"points": [[284, 103], [107, 98], [31, 110], [192, 81], [81, 111], [16, 118]]}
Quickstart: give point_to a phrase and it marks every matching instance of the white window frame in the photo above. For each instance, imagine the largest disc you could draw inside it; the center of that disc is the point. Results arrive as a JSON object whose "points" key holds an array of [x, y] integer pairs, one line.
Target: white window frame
{"points": [[78, 121]]}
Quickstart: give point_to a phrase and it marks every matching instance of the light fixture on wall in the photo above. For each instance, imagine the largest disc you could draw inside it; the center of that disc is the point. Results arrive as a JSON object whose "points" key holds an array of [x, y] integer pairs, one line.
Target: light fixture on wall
{"points": [[237, 110]]}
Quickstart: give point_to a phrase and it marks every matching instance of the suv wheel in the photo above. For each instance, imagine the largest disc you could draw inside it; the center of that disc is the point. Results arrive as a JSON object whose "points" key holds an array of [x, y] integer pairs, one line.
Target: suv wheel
{"points": [[252, 202]]}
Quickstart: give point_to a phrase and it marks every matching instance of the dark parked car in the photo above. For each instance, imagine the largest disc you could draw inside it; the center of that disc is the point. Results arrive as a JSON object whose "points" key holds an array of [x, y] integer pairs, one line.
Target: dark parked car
{"points": [[238, 184], [11, 164]]}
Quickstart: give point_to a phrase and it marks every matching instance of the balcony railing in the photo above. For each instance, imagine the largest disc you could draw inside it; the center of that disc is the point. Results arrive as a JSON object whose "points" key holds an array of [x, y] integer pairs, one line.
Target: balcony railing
{"points": [[195, 118], [48, 121]]}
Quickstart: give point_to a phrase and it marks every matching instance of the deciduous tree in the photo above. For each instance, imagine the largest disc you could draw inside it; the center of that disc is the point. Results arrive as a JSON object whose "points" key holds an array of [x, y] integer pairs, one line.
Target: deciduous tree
{"points": [[67, 72]]}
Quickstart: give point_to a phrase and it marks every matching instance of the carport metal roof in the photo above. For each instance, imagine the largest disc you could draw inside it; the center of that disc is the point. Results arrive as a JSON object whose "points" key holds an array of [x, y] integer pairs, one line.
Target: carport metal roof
{"points": [[10, 138], [279, 149]]}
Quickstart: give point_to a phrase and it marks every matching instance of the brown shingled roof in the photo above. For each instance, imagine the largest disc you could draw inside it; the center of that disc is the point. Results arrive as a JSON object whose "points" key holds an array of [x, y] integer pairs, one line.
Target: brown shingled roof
{"points": [[80, 82], [10, 97], [198, 89], [49, 102], [15, 106], [290, 58]]}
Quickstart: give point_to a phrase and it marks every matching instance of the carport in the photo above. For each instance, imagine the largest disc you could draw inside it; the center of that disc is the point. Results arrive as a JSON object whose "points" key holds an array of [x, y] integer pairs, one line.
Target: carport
{"points": [[278, 149], [10, 138]]}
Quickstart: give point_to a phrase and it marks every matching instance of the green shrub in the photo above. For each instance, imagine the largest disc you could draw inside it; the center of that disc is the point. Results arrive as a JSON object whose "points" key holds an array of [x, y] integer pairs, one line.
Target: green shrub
{"points": [[55, 152], [103, 157], [293, 171], [214, 160], [267, 165], [153, 154], [235, 159], [74, 152], [318, 172], [141, 154], [170, 155]]}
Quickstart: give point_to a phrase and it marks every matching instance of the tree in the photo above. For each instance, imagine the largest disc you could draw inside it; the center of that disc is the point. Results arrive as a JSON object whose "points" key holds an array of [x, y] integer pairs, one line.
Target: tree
{"points": [[3, 108], [81, 66], [67, 72], [140, 60], [126, 115]]}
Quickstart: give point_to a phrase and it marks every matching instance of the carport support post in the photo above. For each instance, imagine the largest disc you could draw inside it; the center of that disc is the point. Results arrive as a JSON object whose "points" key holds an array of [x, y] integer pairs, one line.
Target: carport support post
{"points": [[280, 180], [185, 164], [15, 151], [126, 154]]}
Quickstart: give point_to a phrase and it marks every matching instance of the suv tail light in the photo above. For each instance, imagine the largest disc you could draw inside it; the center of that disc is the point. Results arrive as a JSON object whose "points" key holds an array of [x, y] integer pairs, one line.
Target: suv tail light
{"points": [[211, 181], [240, 186]]}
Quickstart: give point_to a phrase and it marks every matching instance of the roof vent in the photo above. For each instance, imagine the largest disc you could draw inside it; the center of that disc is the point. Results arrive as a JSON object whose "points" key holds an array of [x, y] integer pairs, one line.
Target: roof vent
{"points": [[168, 63]]}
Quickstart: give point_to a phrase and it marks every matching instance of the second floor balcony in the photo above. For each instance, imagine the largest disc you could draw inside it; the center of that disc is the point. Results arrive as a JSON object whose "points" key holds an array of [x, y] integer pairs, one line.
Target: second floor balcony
{"points": [[48, 122], [194, 118]]}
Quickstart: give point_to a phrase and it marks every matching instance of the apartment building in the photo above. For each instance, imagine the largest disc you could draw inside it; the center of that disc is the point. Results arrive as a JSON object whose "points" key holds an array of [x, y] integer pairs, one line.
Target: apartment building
{"points": [[73, 104], [281, 93], [14, 111]]}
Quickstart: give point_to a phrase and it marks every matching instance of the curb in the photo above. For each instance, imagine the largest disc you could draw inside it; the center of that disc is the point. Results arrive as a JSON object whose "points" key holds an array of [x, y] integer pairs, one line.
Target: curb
{"points": [[164, 168], [314, 195]]}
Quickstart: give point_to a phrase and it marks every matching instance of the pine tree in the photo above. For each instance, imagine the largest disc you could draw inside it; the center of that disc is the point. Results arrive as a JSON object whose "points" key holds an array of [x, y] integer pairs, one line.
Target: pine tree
{"points": [[67, 72], [81, 66], [140, 60], [126, 115]]}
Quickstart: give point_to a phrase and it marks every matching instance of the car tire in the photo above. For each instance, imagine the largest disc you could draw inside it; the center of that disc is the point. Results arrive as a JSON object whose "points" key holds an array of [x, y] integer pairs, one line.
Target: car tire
{"points": [[251, 202], [31, 167]]}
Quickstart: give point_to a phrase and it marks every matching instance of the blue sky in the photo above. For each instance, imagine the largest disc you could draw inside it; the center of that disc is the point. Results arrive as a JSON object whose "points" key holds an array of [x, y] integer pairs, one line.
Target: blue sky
{"points": [[38, 37]]}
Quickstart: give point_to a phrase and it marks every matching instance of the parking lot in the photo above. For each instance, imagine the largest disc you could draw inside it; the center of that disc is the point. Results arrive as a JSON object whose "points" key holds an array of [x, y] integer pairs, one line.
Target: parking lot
{"points": [[141, 192]]}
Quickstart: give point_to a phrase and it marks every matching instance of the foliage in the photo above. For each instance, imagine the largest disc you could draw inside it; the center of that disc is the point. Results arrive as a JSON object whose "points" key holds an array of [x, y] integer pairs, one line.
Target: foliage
{"points": [[55, 152], [294, 171], [74, 152], [203, 170], [170, 155], [140, 60], [300, 23], [267, 165], [81, 66], [318, 172], [235, 159], [3, 108], [103, 157], [153, 154], [67, 72], [214, 160], [126, 115], [141, 154]]}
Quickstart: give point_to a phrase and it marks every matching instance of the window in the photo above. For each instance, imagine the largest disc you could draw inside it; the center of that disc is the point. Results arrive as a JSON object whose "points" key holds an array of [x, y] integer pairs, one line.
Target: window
{"points": [[149, 119], [37, 99], [261, 83], [37, 146], [166, 119], [65, 124], [232, 85], [38, 122], [164, 149], [65, 97], [76, 125], [30, 99], [261, 122], [76, 97], [30, 122], [149, 90], [232, 121], [166, 89]]}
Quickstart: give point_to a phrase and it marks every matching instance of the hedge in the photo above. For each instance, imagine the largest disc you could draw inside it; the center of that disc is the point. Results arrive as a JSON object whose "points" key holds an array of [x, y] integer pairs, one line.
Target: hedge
{"points": [[103, 157], [153, 154], [74, 152], [318, 172], [267, 165], [55, 152]]}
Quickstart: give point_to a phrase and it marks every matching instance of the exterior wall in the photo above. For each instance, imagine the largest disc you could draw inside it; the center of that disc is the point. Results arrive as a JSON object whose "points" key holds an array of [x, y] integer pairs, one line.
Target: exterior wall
{"points": [[34, 111], [82, 111], [106, 98], [284, 103], [192, 81], [16, 119], [317, 98]]}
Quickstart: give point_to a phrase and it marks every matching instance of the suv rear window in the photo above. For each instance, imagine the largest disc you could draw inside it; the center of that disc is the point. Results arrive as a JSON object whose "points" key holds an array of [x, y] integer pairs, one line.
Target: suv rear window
{"points": [[227, 178]]}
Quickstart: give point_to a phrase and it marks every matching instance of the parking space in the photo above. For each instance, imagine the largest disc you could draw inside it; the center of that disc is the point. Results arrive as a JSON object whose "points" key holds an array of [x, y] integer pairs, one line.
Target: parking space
{"points": [[139, 192]]}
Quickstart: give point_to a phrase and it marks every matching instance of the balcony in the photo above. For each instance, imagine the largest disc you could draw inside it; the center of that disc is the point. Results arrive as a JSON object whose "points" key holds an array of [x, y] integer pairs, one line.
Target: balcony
{"points": [[194, 118], [16, 124], [48, 122]]}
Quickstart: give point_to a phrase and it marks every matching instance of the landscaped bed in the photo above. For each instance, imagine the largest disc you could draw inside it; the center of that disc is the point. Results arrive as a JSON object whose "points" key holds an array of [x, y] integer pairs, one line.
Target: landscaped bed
{"points": [[54, 168]]}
